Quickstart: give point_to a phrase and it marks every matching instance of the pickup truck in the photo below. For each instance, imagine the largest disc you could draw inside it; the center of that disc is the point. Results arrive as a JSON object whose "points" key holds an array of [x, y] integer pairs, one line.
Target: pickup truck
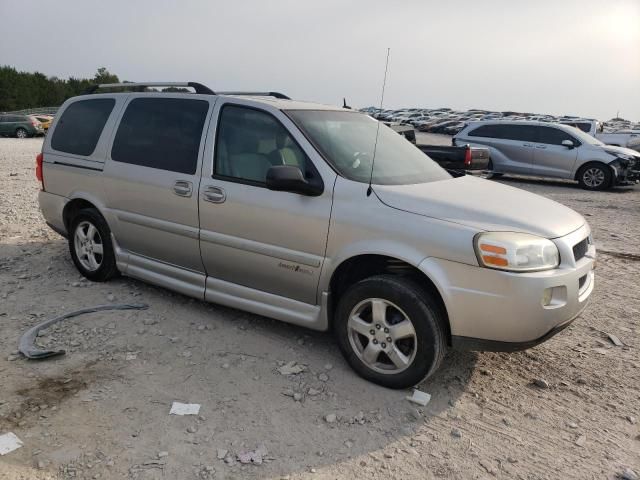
{"points": [[622, 138], [407, 131], [458, 158]]}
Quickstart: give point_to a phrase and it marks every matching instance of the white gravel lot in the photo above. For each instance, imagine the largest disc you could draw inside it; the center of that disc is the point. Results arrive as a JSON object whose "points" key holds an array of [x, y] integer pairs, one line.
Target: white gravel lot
{"points": [[102, 410]]}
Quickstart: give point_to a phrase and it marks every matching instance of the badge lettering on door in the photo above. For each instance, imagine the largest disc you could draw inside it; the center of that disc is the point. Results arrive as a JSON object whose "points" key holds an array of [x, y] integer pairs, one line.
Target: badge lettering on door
{"points": [[295, 268]]}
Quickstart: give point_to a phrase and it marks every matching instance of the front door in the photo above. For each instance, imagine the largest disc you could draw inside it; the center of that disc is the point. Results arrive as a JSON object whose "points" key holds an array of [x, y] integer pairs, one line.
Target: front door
{"points": [[251, 236], [152, 179], [551, 158]]}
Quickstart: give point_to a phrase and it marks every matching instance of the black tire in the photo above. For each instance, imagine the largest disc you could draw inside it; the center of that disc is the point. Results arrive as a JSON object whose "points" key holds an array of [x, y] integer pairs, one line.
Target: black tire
{"points": [[489, 173], [21, 133], [107, 268], [594, 176], [419, 307]]}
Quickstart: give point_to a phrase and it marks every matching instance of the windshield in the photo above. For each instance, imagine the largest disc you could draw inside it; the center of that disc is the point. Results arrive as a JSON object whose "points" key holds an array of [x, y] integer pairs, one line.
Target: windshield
{"points": [[347, 139]]}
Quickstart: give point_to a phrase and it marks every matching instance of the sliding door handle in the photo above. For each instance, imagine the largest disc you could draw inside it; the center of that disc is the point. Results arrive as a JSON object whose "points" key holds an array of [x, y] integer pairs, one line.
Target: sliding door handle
{"points": [[183, 188]]}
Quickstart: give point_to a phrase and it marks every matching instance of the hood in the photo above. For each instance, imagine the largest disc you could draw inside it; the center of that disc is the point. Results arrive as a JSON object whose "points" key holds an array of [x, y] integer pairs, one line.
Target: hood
{"points": [[483, 204], [613, 150]]}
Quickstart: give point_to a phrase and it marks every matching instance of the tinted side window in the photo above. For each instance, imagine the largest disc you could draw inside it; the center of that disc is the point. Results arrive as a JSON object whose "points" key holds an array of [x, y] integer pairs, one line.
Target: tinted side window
{"points": [[522, 133], [505, 132], [489, 131], [553, 136], [249, 142], [162, 133], [80, 126]]}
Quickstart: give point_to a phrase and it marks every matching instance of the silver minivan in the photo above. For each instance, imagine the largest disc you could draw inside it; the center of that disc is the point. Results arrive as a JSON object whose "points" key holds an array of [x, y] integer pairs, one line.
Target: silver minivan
{"points": [[545, 149], [315, 215]]}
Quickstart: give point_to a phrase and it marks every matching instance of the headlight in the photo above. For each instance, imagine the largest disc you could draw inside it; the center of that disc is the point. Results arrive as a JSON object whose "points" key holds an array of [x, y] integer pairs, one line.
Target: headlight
{"points": [[516, 252], [624, 156]]}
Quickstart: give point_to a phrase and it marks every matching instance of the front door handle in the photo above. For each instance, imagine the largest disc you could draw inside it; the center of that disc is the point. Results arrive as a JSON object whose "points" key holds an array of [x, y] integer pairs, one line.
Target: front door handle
{"points": [[541, 146], [183, 188], [214, 194], [527, 145]]}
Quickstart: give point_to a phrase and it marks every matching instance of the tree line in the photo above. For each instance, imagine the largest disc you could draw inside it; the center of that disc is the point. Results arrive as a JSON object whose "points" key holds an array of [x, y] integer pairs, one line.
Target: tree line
{"points": [[20, 90]]}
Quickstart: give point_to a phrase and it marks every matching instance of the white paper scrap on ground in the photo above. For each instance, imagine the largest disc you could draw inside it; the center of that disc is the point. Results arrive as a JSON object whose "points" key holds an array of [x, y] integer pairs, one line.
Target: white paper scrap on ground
{"points": [[9, 442], [421, 398], [184, 408]]}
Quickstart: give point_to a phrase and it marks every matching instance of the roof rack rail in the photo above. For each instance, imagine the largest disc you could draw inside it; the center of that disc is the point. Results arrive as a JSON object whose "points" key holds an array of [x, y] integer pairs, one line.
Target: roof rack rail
{"points": [[257, 94], [197, 87]]}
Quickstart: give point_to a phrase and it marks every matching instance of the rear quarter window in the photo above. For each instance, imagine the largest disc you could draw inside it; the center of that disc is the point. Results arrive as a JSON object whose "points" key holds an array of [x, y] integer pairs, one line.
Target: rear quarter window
{"points": [[488, 131], [79, 128], [162, 133]]}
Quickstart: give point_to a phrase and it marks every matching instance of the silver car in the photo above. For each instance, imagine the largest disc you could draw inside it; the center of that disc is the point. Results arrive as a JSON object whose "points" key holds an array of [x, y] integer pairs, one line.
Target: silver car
{"points": [[544, 149], [278, 207]]}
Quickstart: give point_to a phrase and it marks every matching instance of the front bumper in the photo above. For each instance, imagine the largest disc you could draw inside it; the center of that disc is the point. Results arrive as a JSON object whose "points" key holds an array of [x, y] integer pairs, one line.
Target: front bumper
{"points": [[496, 310], [626, 173]]}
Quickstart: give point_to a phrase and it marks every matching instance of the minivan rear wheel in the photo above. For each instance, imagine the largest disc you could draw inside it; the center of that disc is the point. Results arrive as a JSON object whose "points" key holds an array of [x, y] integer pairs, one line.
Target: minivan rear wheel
{"points": [[489, 173], [90, 246], [390, 331], [594, 176], [21, 133]]}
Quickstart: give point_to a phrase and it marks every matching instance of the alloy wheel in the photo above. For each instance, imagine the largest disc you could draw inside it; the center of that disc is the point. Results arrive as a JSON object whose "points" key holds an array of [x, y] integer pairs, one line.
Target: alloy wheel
{"points": [[593, 177], [88, 246], [382, 336]]}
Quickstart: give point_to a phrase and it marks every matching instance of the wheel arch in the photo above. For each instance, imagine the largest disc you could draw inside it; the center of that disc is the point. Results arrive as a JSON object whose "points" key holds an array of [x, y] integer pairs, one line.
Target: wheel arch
{"points": [[77, 203], [588, 163], [358, 267]]}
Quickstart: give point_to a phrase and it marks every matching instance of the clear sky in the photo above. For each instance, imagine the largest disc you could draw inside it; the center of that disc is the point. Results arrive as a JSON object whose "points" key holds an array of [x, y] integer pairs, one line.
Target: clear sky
{"points": [[577, 57]]}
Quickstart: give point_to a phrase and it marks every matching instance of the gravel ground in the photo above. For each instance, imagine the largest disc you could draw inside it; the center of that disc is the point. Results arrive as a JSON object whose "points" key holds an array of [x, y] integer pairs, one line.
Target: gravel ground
{"points": [[565, 409]]}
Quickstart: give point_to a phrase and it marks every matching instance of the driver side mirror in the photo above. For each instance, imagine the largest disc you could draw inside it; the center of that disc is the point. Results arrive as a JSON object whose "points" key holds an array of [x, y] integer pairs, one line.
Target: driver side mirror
{"points": [[288, 178], [568, 143]]}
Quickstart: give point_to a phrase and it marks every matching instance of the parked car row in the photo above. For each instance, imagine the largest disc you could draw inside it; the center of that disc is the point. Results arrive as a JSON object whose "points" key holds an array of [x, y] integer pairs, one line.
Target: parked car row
{"points": [[450, 122], [24, 126]]}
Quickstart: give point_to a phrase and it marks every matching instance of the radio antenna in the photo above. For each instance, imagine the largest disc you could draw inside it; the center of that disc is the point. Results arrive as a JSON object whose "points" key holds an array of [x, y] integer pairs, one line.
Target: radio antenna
{"points": [[375, 145]]}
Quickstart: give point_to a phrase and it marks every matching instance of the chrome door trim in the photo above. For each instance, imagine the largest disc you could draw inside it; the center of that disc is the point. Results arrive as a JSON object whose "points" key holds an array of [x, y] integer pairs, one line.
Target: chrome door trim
{"points": [[165, 226], [261, 248]]}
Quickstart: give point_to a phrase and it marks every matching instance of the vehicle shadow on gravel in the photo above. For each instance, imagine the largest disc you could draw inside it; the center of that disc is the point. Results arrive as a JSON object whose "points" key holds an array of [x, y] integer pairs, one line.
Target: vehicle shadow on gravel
{"points": [[223, 358]]}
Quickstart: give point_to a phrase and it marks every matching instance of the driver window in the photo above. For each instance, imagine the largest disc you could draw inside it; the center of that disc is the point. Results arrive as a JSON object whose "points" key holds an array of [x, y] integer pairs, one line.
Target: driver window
{"points": [[554, 136], [251, 141]]}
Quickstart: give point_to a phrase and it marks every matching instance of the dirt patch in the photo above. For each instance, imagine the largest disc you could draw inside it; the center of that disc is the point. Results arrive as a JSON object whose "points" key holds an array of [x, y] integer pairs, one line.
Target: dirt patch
{"points": [[46, 394]]}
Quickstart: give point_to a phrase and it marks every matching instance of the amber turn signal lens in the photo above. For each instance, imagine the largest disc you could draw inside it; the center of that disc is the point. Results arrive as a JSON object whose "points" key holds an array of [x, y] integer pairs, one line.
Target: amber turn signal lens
{"points": [[493, 249], [498, 261]]}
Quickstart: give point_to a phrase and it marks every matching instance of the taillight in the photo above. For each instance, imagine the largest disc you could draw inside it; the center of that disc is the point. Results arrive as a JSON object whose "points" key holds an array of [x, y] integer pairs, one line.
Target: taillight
{"points": [[467, 156], [39, 175]]}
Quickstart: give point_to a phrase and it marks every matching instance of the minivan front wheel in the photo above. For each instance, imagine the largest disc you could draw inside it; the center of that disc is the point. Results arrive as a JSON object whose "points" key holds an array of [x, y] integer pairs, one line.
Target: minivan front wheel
{"points": [[21, 133], [90, 246], [390, 331], [594, 176]]}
